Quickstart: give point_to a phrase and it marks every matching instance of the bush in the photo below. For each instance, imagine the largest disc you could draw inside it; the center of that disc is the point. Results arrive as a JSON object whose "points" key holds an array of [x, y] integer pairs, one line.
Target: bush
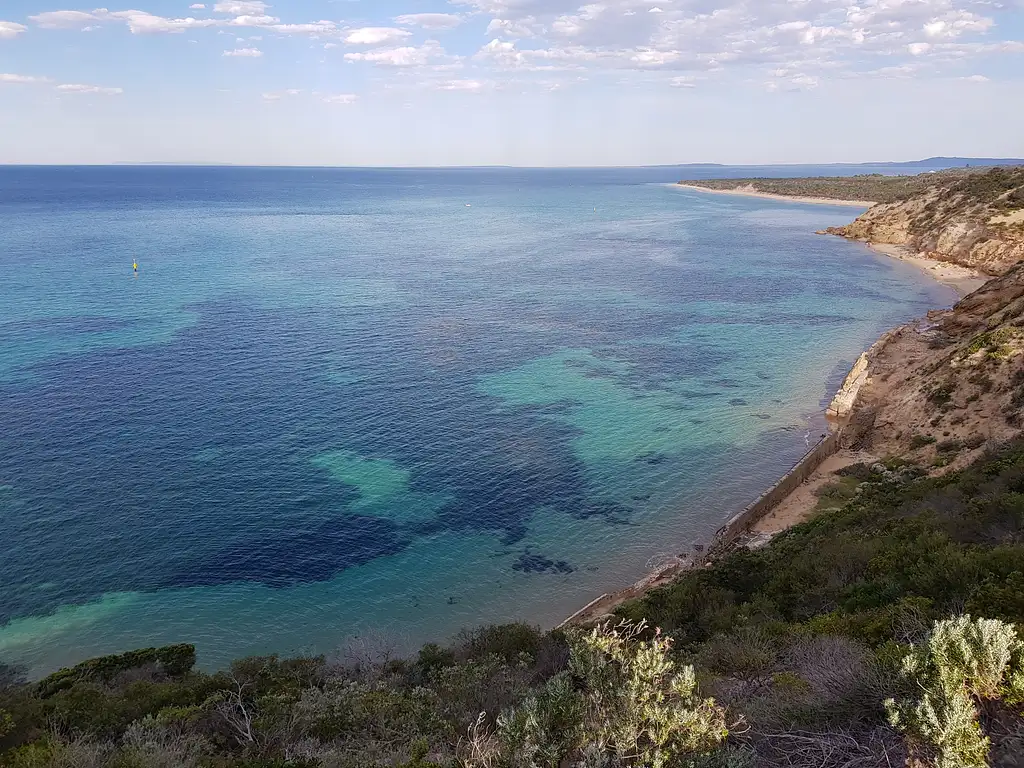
{"points": [[623, 699], [974, 442], [941, 394], [509, 641], [172, 661], [962, 662]]}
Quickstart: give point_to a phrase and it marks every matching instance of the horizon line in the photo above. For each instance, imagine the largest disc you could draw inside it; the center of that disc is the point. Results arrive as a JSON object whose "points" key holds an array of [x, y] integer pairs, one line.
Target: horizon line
{"points": [[201, 164]]}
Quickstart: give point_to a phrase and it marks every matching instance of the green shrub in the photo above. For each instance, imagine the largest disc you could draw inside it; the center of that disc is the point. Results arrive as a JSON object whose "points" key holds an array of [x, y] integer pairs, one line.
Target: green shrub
{"points": [[171, 660], [623, 697], [962, 661], [920, 441], [272, 675], [509, 641], [974, 442], [432, 657], [942, 394]]}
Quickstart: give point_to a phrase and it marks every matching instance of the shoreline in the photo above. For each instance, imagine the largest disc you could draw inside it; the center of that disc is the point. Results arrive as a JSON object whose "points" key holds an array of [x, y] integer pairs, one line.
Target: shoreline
{"points": [[746, 528], [963, 280], [750, 191], [816, 467]]}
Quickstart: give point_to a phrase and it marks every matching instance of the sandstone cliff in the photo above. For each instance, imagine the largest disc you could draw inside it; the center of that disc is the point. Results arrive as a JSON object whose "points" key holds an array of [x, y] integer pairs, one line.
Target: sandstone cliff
{"points": [[945, 387], [976, 220]]}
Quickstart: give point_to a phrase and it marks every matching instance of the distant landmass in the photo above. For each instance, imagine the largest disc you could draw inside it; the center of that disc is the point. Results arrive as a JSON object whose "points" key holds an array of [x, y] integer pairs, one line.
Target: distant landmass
{"points": [[931, 162], [946, 162]]}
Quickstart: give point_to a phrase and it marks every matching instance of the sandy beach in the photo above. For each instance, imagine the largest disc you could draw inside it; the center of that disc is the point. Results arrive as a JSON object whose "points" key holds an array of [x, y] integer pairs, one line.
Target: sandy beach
{"points": [[750, 191], [962, 279]]}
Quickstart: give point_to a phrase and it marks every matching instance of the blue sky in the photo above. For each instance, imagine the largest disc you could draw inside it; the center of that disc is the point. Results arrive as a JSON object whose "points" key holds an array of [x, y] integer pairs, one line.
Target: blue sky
{"points": [[519, 82]]}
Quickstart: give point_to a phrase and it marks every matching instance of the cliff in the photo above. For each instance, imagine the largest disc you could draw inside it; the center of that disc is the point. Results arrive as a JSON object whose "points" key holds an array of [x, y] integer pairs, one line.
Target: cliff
{"points": [[847, 395], [941, 389], [975, 220]]}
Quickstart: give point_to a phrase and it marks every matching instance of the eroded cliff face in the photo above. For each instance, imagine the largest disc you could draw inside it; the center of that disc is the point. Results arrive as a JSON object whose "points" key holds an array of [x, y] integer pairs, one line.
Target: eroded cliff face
{"points": [[942, 389], [976, 221]]}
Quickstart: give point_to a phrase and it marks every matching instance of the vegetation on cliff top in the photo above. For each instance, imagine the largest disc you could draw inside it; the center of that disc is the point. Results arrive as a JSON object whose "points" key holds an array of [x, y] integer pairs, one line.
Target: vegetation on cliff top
{"points": [[792, 648], [874, 186], [977, 196], [1001, 189]]}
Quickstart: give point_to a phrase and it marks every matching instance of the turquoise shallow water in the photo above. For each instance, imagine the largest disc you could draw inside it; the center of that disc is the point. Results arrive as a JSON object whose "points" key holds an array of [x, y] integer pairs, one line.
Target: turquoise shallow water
{"points": [[340, 402]]}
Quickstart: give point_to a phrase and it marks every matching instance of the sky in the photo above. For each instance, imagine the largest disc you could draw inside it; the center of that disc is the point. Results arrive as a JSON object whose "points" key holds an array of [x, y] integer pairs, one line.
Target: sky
{"points": [[510, 82]]}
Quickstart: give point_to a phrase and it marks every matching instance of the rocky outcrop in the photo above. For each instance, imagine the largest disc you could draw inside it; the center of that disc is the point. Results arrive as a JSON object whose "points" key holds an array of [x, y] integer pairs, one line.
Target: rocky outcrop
{"points": [[974, 221], [846, 397]]}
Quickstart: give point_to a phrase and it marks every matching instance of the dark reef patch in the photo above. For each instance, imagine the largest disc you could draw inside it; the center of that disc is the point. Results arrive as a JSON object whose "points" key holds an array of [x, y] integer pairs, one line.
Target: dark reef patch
{"points": [[531, 562], [653, 458]]}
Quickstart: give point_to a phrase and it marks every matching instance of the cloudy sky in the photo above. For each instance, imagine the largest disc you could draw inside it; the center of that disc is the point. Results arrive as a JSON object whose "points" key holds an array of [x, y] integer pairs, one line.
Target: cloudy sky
{"points": [[519, 82]]}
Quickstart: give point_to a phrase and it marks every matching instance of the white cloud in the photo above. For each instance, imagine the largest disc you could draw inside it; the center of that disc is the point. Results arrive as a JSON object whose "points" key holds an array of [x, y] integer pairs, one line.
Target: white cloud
{"points": [[62, 19], [825, 38], [576, 24], [406, 56], [22, 79], [955, 23], [816, 39], [10, 30], [196, 7], [650, 58], [683, 81], [89, 89], [459, 85], [278, 95], [526, 27], [341, 98], [788, 80], [429, 20], [139, 22], [241, 7], [376, 35], [804, 82], [245, 14], [245, 53], [253, 21], [312, 28], [976, 79]]}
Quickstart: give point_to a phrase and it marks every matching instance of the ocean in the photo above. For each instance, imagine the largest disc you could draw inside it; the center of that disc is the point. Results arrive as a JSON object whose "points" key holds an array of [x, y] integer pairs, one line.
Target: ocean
{"points": [[340, 406]]}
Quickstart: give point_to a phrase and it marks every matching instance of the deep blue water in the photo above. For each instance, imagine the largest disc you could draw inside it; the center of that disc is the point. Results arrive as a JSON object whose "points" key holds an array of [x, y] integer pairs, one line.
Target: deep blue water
{"points": [[405, 401]]}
